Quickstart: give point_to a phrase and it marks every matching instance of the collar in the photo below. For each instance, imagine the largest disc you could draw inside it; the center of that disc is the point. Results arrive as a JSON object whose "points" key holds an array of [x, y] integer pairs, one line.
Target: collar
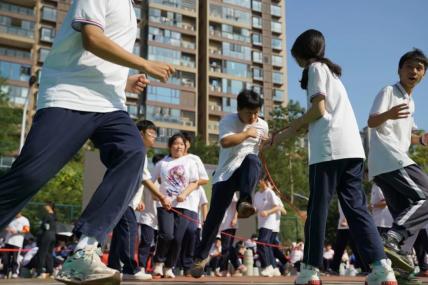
{"points": [[401, 89]]}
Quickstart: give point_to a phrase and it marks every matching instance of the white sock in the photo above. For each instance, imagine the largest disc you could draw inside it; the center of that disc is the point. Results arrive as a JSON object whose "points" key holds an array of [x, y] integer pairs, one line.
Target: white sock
{"points": [[85, 241]]}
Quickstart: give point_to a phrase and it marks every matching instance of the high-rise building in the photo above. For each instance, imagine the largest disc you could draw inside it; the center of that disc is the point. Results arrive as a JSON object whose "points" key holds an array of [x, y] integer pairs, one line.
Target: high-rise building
{"points": [[218, 47]]}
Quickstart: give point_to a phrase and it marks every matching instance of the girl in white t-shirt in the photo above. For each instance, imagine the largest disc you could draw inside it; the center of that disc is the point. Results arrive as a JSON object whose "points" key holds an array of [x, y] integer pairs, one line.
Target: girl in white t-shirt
{"points": [[336, 162], [266, 206], [178, 177]]}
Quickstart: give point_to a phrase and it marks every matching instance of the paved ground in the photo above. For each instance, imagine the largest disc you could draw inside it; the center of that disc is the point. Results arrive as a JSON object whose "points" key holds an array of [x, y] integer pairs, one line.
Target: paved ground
{"points": [[213, 281]]}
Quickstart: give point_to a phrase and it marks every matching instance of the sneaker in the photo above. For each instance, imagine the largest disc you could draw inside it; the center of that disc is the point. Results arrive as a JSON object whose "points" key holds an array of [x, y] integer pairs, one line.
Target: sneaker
{"points": [[85, 266], [245, 210], [158, 270], [218, 272], [276, 272], [14, 276], [140, 275], [382, 274], [391, 246], [267, 271], [167, 273], [309, 275], [198, 267]]}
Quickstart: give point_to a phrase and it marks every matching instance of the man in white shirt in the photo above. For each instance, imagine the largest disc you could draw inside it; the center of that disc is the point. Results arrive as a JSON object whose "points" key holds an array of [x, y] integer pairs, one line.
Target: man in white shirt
{"points": [[81, 97], [14, 241], [380, 213], [241, 135], [403, 182]]}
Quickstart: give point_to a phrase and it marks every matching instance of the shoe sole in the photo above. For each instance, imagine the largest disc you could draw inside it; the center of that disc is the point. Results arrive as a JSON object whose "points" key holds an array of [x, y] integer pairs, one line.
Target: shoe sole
{"points": [[110, 280], [197, 271], [317, 282], [398, 261], [386, 283], [246, 212]]}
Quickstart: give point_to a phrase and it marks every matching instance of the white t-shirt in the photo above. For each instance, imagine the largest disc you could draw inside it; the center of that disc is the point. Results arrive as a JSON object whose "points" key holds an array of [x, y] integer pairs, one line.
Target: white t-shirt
{"points": [[18, 224], [335, 135], [76, 79], [328, 254], [198, 196], [265, 201], [230, 214], [149, 216], [175, 176], [231, 158], [277, 214], [139, 196], [382, 217], [390, 142], [296, 255]]}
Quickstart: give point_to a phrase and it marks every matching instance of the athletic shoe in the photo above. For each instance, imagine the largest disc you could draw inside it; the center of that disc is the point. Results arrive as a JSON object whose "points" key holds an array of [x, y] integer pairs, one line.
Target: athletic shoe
{"points": [[391, 244], [245, 210], [309, 275], [267, 271], [382, 274], [86, 267], [158, 270], [140, 275], [276, 272], [198, 267], [167, 273], [14, 276]]}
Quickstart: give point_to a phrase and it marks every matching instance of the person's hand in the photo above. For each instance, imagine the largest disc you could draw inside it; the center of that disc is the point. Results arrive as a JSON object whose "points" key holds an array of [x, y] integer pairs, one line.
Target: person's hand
{"points": [[140, 206], [159, 70], [136, 83], [252, 132], [181, 197], [166, 203], [399, 111], [263, 214], [234, 222]]}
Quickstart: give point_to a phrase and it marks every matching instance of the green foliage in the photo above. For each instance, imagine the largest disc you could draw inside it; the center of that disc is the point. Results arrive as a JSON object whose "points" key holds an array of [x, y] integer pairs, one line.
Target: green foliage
{"points": [[10, 120], [419, 154], [208, 153]]}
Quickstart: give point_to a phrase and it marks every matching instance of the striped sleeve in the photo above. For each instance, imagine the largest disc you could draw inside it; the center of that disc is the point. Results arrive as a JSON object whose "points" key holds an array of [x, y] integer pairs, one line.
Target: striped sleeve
{"points": [[91, 12]]}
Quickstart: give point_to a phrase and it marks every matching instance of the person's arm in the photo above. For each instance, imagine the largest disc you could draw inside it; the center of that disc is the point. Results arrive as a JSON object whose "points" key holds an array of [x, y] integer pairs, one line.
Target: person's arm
{"points": [[204, 211], [380, 205], [235, 139], [186, 192], [164, 200], [234, 221], [271, 211], [136, 83], [399, 111], [96, 42]]}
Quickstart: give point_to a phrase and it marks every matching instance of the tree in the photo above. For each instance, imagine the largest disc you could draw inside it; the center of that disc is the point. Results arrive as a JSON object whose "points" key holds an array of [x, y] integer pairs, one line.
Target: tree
{"points": [[10, 120], [208, 153]]}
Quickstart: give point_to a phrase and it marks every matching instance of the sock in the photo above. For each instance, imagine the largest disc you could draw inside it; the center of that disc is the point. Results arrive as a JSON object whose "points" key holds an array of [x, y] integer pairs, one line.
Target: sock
{"points": [[85, 241]]}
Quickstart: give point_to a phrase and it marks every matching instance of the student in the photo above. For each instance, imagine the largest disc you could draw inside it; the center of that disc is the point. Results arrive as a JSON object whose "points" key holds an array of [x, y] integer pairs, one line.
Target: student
{"points": [[336, 162], [178, 175], [81, 97], [266, 206], [277, 252], [148, 221], [241, 135], [403, 182], [122, 245], [380, 213], [46, 241]]}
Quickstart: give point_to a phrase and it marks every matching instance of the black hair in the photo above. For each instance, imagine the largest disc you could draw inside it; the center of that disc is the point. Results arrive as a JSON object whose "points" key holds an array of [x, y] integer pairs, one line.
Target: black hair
{"points": [[249, 99], [310, 46], [172, 139], [188, 137], [144, 125], [157, 157], [417, 55]]}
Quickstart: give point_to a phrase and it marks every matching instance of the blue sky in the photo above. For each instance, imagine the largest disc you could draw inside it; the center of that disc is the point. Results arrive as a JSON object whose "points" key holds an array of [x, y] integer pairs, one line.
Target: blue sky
{"points": [[367, 38]]}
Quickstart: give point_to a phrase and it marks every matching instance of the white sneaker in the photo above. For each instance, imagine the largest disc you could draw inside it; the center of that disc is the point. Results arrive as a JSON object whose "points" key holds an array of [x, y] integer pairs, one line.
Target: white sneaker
{"points": [[382, 274], [140, 275], [167, 273], [14, 276], [267, 271], [276, 272], [85, 266], [158, 270], [309, 275]]}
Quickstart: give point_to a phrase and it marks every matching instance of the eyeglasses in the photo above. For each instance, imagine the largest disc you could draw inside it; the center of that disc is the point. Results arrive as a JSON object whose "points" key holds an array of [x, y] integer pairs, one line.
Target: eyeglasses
{"points": [[152, 134]]}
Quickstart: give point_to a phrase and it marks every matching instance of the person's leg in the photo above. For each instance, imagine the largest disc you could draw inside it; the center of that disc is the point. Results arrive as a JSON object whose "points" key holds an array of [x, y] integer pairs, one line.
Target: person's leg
{"points": [[146, 239], [189, 241], [421, 249], [353, 202], [342, 238], [360, 262], [122, 152], [226, 247], [114, 251], [55, 136], [248, 178], [127, 242], [277, 253], [165, 234], [42, 253], [180, 226], [15, 264], [263, 250], [49, 257]]}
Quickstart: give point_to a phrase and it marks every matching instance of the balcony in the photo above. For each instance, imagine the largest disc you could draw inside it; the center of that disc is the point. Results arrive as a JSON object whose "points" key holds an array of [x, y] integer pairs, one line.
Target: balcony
{"points": [[256, 6], [26, 11], [16, 36], [275, 10]]}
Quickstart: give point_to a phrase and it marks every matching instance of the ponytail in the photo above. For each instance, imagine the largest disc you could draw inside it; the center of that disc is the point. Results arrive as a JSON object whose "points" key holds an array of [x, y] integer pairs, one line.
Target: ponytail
{"points": [[334, 68]]}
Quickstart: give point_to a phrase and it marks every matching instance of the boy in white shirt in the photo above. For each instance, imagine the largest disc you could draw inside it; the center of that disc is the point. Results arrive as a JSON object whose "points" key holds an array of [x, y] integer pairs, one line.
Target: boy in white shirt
{"points": [[403, 182], [241, 135], [82, 96], [380, 213]]}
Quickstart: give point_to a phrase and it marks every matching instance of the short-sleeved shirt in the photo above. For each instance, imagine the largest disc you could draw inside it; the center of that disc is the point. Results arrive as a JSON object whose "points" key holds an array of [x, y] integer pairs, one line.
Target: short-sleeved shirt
{"points": [[229, 215], [198, 195], [265, 201], [139, 196], [390, 142], [19, 225], [74, 78], [277, 214], [176, 175], [149, 216], [231, 157], [381, 217], [335, 135]]}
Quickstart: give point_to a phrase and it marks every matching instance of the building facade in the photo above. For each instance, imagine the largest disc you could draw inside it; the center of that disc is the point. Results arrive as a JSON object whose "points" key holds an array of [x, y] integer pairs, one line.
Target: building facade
{"points": [[218, 47]]}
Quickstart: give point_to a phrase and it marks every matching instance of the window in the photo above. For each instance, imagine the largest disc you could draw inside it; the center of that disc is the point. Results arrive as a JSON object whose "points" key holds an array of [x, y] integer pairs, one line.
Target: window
{"points": [[257, 73], [232, 86], [235, 50], [242, 3], [275, 10], [257, 57], [15, 71], [49, 13], [15, 52], [278, 95], [16, 26], [236, 68], [43, 54], [257, 39], [163, 94], [277, 43], [17, 95], [277, 60], [277, 77], [229, 14], [47, 34], [16, 9], [276, 27], [257, 22], [257, 5]]}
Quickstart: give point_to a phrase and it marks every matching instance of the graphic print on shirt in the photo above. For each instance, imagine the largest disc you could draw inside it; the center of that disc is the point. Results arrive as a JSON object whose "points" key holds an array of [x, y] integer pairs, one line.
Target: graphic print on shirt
{"points": [[177, 180]]}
